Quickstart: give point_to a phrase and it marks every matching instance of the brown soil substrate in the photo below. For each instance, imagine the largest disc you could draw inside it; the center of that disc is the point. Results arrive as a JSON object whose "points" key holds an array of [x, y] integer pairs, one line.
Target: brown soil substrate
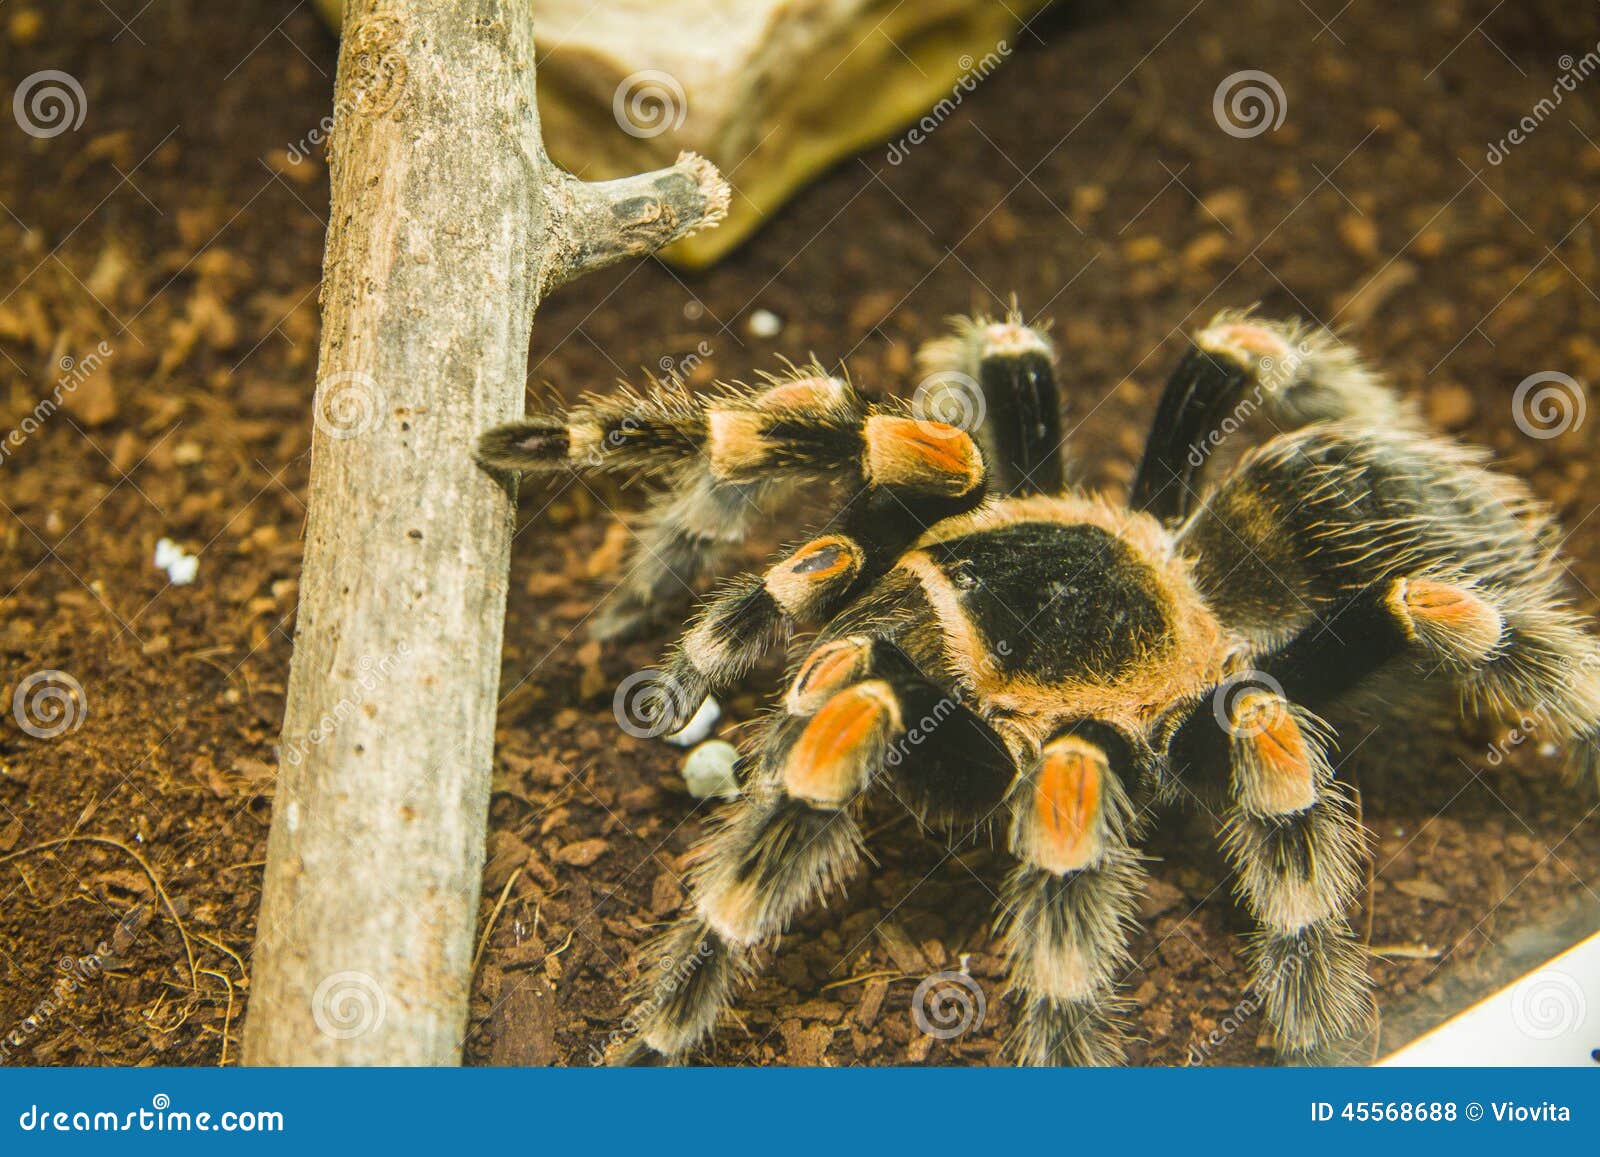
{"points": [[1088, 176]]}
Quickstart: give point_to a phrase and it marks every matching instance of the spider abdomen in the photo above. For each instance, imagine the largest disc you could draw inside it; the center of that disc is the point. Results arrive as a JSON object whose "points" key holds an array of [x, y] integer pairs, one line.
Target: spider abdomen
{"points": [[1057, 602], [1059, 608]]}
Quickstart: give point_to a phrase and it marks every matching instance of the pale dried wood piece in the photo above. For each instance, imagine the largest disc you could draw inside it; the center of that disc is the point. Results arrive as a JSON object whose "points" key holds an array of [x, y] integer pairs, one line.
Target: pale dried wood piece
{"points": [[448, 225], [773, 91]]}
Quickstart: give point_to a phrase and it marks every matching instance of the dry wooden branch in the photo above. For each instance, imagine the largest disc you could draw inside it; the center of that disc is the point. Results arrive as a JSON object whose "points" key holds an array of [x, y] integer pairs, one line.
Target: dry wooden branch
{"points": [[449, 223]]}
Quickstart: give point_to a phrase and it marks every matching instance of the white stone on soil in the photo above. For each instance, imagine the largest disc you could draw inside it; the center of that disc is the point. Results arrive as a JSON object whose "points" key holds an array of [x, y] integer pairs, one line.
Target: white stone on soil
{"points": [[708, 770], [764, 323], [692, 732], [180, 567]]}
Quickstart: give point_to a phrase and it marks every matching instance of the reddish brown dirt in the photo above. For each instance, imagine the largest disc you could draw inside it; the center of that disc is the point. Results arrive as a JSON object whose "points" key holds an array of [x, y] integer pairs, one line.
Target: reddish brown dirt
{"points": [[1088, 176]]}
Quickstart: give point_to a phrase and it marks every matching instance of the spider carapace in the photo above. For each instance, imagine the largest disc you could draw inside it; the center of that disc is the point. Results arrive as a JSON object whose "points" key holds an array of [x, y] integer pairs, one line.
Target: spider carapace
{"points": [[997, 649]]}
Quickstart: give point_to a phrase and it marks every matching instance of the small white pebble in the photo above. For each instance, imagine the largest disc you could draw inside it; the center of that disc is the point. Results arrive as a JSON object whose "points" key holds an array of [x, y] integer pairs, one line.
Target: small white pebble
{"points": [[692, 732], [764, 323], [180, 567], [708, 770]]}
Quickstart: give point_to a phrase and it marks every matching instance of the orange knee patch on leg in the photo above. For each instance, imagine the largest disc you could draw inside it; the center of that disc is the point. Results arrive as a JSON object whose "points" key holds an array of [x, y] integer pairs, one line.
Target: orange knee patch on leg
{"points": [[1275, 768], [822, 565], [809, 394], [585, 443], [1448, 617], [1068, 793], [736, 443], [1009, 339], [829, 763], [733, 912], [825, 670], [1247, 342], [924, 455]]}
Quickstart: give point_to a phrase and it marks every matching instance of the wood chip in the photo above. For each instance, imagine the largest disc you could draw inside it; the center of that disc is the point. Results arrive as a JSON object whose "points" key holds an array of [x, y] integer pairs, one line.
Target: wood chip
{"points": [[1422, 889], [255, 770], [665, 894], [10, 834], [1359, 235], [906, 955], [1450, 405], [1159, 897], [917, 1051], [506, 854], [827, 1011], [204, 770], [91, 398], [583, 853], [807, 1046], [522, 1026], [871, 1001], [1361, 304]]}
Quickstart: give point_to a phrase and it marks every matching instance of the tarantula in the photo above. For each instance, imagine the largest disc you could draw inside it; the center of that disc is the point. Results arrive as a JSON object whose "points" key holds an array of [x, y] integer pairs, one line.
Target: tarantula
{"points": [[991, 644]]}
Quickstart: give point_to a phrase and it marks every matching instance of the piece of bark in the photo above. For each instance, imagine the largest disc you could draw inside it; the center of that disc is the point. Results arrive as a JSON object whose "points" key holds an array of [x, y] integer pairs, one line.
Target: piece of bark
{"points": [[906, 955], [872, 995], [448, 225], [522, 1024], [773, 91]]}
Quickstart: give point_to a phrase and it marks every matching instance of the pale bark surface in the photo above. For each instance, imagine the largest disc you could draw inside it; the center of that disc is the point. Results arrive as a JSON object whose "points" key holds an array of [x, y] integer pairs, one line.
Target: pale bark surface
{"points": [[448, 224], [775, 90]]}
